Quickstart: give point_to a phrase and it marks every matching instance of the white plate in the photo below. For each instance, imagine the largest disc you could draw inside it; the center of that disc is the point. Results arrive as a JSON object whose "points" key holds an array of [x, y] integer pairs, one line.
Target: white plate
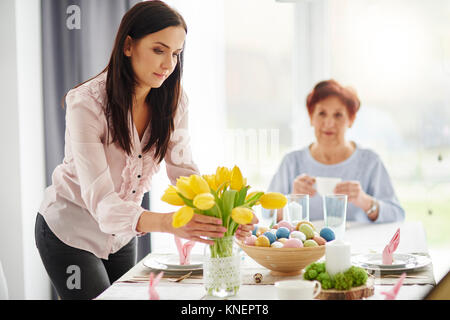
{"points": [[155, 265], [173, 261], [401, 262]]}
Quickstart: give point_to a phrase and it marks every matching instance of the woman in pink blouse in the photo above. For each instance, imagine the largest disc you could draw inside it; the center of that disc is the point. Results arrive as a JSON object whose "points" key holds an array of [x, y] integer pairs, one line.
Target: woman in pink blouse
{"points": [[119, 126]]}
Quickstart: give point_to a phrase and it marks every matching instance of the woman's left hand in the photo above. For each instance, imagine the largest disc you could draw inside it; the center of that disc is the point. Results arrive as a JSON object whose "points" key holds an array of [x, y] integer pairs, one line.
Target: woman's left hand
{"points": [[355, 194], [245, 230]]}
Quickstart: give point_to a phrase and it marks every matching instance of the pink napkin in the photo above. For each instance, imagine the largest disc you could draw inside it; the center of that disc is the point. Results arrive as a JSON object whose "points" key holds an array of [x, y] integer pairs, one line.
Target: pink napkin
{"points": [[392, 294], [152, 294], [391, 247], [184, 250]]}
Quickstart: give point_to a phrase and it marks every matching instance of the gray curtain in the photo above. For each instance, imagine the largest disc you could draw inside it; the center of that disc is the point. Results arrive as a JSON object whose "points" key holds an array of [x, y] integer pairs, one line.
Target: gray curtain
{"points": [[77, 39]]}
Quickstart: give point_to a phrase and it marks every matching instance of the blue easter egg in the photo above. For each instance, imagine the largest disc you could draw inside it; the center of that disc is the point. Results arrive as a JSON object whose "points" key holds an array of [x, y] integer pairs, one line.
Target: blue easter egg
{"points": [[283, 232], [254, 230], [272, 238], [327, 234]]}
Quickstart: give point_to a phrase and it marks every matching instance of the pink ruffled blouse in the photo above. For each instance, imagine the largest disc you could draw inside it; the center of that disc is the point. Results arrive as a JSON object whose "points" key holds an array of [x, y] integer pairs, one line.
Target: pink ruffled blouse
{"points": [[94, 200]]}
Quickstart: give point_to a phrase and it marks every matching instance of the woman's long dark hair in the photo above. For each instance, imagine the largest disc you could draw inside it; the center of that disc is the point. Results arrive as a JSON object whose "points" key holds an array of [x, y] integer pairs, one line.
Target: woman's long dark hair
{"points": [[142, 19]]}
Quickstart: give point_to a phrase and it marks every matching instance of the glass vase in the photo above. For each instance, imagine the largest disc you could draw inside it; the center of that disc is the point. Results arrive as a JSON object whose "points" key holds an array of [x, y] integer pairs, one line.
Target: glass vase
{"points": [[221, 268]]}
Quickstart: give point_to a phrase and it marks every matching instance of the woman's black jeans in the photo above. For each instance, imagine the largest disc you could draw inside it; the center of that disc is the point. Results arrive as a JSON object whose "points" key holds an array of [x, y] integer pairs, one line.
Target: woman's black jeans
{"points": [[79, 274]]}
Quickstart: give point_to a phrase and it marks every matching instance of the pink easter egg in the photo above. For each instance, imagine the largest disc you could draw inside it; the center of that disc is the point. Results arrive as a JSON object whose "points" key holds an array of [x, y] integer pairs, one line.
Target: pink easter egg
{"points": [[293, 243], [286, 224], [250, 240]]}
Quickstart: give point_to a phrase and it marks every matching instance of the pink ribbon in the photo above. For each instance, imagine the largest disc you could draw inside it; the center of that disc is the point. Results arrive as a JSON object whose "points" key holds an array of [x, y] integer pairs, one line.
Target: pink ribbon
{"points": [[391, 247], [392, 294], [184, 250], [152, 294]]}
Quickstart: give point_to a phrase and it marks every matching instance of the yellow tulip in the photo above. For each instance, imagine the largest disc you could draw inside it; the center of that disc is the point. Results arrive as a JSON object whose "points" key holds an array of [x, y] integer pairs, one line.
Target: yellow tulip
{"points": [[273, 200], [242, 215], [237, 182], [204, 201], [171, 197], [211, 180], [182, 216], [223, 174], [198, 184], [183, 187]]}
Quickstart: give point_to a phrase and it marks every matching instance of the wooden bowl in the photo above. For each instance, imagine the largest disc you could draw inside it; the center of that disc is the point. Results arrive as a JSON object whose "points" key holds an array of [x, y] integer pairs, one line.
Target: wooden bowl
{"points": [[284, 261]]}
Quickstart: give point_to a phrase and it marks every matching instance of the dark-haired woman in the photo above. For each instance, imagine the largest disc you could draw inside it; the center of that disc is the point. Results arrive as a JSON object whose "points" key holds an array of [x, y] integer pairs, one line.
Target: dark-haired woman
{"points": [[119, 126], [332, 110]]}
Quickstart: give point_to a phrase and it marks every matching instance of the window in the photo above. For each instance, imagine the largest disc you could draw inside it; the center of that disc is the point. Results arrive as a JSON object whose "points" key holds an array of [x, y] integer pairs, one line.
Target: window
{"points": [[250, 64], [238, 66], [397, 55]]}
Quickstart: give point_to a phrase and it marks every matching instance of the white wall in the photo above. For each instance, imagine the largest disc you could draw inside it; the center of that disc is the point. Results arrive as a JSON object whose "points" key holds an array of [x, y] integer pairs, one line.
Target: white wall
{"points": [[22, 178]]}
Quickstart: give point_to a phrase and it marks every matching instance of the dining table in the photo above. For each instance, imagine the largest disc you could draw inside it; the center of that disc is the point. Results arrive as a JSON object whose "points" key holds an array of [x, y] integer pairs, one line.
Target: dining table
{"points": [[364, 238]]}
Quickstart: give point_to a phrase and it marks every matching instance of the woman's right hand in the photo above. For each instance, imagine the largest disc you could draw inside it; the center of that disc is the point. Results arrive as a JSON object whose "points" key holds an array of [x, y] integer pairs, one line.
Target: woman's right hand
{"points": [[200, 226], [304, 184]]}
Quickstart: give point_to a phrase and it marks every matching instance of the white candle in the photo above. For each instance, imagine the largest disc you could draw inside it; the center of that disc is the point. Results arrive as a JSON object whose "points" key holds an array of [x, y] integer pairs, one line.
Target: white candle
{"points": [[295, 211], [337, 257]]}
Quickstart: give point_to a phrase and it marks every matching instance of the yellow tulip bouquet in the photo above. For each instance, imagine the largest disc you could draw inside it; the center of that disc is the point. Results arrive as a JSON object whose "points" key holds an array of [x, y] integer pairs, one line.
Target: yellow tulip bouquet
{"points": [[223, 195]]}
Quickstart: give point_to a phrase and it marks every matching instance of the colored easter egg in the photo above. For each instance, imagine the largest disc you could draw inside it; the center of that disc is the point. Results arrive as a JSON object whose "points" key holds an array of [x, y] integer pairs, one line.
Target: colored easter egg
{"points": [[272, 238], [275, 226], [255, 229], [286, 224], [327, 234], [320, 241], [261, 231], [250, 240], [262, 241], [310, 243], [293, 243], [283, 232], [277, 244], [307, 230], [297, 235], [282, 240], [304, 222]]}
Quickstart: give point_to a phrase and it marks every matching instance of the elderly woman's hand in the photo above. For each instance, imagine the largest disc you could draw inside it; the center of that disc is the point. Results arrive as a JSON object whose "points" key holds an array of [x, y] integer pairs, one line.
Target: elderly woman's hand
{"points": [[245, 230], [304, 184], [355, 194]]}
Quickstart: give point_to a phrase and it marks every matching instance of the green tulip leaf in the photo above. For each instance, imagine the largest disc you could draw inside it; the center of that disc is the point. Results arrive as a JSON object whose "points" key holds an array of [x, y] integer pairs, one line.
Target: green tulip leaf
{"points": [[188, 202]]}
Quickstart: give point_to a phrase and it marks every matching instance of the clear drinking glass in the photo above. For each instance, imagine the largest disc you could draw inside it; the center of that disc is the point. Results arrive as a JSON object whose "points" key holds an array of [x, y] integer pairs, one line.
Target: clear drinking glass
{"points": [[335, 212], [267, 217], [297, 208]]}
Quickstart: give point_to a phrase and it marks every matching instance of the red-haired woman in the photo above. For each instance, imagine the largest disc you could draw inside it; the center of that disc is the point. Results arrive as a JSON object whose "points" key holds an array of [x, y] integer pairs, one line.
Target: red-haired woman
{"points": [[332, 109], [119, 126]]}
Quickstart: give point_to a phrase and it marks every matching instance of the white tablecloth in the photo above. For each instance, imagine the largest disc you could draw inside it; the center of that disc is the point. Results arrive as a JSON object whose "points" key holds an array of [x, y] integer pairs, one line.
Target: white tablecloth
{"points": [[363, 238]]}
